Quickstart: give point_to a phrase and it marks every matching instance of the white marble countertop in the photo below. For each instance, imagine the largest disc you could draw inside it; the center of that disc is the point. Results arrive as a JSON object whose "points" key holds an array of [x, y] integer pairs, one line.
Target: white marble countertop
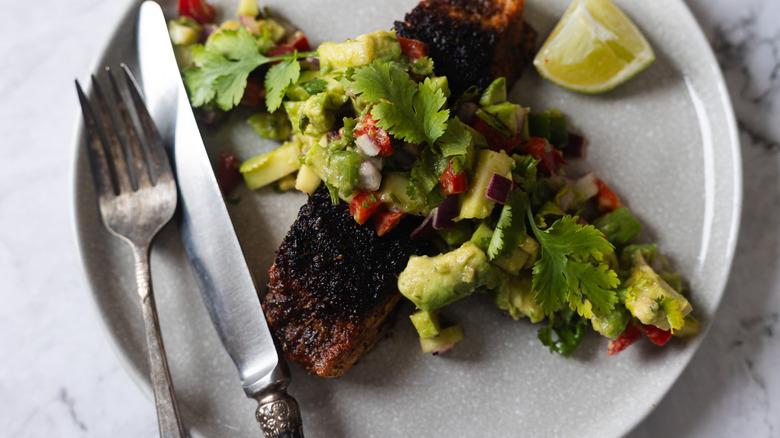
{"points": [[59, 376]]}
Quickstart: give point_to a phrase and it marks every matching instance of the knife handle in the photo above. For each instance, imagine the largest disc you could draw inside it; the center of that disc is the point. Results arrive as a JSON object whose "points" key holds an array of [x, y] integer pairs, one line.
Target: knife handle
{"points": [[278, 414]]}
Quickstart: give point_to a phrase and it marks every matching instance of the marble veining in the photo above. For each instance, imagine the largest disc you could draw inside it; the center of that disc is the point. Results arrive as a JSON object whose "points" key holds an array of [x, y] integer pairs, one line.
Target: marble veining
{"points": [[61, 378]]}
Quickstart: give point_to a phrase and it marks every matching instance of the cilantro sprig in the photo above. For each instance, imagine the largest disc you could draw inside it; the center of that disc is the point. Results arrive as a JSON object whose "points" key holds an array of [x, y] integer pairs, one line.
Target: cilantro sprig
{"points": [[571, 271], [223, 64], [406, 109]]}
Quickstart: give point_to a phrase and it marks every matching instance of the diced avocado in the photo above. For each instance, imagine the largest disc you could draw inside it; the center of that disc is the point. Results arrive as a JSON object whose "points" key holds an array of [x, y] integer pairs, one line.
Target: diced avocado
{"points": [[474, 204], [689, 329], [433, 282], [266, 168], [248, 8], [512, 262], [317, 114], [531, 246], [184, 31], [393, 192], [651, 300], [510, 115], [307, 181], [446, 339], [673, 279], [482, 236], [426, 323], [494, 93], [275, 126], [515, 295], [358, 52], [225, 25], [286, 183], [647, 250], [620, 226], [442, 84], [612, 324], [457, 235], [274, 30], [344, 171]]}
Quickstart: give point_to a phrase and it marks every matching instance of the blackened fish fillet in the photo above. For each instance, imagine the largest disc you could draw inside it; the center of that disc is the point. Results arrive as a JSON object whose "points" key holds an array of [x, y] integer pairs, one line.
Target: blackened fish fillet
{"points": [[333, 284], [472, 41]]}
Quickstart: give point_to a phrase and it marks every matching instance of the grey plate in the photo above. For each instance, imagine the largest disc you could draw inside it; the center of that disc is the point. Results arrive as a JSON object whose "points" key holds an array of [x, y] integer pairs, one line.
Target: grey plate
{"points": [[665, 141]]}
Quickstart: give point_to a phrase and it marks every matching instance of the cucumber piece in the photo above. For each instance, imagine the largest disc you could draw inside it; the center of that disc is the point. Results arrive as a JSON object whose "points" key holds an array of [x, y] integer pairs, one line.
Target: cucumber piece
{"points": [[307, 181], [266, 168], [444, 342], [426, 323], [494, 93]]}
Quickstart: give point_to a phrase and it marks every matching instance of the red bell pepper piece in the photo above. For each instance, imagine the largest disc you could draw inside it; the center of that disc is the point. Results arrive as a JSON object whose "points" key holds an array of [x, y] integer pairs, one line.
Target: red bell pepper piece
{"points": [[198, 10], [228, 175], [606, 198], [385, 221], [495, 140], [413, 49], [452, 183], [378, 135], [628, 337], [363, 206], [254, 93], [296, 43], [549, 157], [656, 335]]}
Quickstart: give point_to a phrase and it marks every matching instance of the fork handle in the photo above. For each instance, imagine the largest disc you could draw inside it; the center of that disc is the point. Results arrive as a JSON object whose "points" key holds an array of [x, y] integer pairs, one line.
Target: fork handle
{"points": [[168, 417]]}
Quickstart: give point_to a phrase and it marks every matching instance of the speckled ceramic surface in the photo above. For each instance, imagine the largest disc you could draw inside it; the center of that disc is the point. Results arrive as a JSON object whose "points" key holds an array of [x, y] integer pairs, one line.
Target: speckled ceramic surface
{"points": [[666, 143]]}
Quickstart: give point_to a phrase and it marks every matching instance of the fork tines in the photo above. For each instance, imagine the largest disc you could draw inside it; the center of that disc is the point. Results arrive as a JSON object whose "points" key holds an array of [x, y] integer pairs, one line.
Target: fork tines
{"points": [[116, 168]]}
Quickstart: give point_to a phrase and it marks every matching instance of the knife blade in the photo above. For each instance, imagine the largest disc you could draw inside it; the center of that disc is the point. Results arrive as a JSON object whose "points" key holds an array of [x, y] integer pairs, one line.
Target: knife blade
{"points": [[226, 283]]}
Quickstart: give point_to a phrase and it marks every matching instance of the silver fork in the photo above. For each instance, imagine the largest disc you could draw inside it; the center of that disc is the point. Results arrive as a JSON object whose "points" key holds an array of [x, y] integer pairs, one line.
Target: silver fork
{"points": [[136, 194]]}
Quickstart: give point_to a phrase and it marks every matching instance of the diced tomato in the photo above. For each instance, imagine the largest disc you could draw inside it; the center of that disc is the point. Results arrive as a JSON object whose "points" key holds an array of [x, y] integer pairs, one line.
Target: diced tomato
{"points": [[385, 221], [452, 183], [656, 335], [542, 150], [378, 135], [254, 93], [606, 198], [198, 10], [413, 49], [495, 140], [628, 337], [363, 206], [296, 43], [228, 175]]}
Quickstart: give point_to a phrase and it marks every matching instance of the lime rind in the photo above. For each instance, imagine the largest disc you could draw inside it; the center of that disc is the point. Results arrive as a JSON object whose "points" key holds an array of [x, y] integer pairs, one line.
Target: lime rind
{"points": [[594, 48]]}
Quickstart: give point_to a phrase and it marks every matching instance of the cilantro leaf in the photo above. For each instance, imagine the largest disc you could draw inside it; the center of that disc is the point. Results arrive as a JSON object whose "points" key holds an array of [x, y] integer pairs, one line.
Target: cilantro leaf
{"points": [[569, 329], [315, 86], [674, 315], [407, 110], [278, 79], [510, 230], [422, 178], [570, 269], [222, 67], [456, 139]]}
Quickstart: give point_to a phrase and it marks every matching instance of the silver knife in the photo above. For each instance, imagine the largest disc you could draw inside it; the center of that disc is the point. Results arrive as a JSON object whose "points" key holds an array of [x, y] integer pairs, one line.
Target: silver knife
{"points": [[227, 286]]}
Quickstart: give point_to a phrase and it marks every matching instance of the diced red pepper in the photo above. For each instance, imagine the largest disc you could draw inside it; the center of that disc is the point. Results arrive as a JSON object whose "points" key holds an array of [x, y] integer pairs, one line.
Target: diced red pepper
{"points": [[296, 43], [363, 206], [413, 49], [606, 198], [385, 221], [228, 175], [656, 335], [198, 10], [254, 93], [542, 150], [628, 337], [378, 135], [452, 183], [495, 140]]}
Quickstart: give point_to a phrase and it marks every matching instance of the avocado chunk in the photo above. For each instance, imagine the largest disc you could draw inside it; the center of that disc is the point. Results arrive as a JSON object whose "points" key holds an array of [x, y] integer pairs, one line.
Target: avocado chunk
{"points": [[433, 282], [651, 300], [515, 295], [612, 324], [494, 93], [266, 168], [444, 341], [358, 52], [474, 204]]}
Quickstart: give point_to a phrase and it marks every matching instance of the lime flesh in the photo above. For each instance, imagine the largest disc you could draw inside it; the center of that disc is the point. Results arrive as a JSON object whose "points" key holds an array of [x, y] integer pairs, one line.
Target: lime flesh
{"points": [[594, 48]]}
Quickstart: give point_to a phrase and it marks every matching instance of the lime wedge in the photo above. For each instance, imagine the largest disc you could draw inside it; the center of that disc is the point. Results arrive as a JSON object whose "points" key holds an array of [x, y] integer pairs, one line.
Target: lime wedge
{"points": [[594, 48]]}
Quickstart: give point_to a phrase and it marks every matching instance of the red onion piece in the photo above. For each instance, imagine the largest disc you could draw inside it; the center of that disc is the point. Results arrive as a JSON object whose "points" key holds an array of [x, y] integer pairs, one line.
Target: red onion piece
{"points": [[370, 178], [586, 187], [206, 31], [367, 145], [576, 147], [444, 214], [249, 23], [499, 188], [424, 230], [566, 200]]}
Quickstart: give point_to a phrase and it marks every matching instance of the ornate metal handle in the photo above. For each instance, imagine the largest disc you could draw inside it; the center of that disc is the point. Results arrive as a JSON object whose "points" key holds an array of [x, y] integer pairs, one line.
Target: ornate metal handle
{"points": [[278, 414]]}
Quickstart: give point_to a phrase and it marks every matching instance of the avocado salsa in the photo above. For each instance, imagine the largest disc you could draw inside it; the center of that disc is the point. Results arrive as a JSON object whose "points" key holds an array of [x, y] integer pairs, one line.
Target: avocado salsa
{"points": [[369, 119]]}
